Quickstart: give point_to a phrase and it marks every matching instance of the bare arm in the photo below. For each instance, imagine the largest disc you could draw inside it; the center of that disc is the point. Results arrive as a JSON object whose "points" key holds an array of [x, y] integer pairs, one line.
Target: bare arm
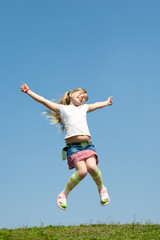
{"points": [[99, 105], [51, 105]]}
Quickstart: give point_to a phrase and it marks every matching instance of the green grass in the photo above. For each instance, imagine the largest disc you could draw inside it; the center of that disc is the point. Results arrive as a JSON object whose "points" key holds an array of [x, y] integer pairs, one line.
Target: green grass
{"points": [[92, 232]]}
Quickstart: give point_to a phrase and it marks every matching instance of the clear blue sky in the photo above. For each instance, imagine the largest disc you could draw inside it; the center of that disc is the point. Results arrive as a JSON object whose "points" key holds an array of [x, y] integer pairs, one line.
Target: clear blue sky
{"points": [[110, 48]]}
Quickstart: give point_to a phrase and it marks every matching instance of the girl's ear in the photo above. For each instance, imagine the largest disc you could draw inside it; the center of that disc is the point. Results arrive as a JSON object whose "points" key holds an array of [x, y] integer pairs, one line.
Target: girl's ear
{"points": [[70, 94]]}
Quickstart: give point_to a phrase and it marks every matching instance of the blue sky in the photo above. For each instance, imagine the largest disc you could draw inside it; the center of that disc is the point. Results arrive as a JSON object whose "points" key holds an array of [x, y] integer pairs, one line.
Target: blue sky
{"points": [[110, 48]]}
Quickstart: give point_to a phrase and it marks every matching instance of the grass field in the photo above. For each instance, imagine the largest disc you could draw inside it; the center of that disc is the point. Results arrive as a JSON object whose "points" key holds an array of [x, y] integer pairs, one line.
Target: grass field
{"points": [[94, 231]]}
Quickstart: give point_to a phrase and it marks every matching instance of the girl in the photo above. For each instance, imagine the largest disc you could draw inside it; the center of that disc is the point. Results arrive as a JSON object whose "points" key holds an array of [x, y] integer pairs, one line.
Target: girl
{"points": [[70, 113]]}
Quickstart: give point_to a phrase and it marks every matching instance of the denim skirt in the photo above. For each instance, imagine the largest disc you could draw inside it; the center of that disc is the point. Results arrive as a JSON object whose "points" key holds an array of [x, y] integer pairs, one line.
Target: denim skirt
{"points": [[77, 152]]}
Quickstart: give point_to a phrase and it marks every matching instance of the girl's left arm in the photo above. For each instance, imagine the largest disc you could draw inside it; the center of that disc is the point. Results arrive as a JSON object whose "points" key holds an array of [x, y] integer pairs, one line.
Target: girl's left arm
{"points": [[49, 104], [99, 105]]}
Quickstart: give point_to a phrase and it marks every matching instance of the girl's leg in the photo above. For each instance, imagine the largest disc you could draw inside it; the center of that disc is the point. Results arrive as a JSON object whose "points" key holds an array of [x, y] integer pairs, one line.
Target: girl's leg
{"points": [[94, 172], [97, 177], [72, 182], [76, 177]]}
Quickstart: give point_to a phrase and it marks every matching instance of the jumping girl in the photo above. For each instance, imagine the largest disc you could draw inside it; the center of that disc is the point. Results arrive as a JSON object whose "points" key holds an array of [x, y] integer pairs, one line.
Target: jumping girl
{"points": [[71, 113]]}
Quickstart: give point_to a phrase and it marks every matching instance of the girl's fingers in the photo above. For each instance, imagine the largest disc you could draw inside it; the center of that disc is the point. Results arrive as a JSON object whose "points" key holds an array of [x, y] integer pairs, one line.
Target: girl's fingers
{"points": [[23, 87], [110, 100]]}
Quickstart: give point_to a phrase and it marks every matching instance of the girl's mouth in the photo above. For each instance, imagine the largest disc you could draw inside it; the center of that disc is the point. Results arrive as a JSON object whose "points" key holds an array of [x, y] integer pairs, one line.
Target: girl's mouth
{"points": [[79, 98]]}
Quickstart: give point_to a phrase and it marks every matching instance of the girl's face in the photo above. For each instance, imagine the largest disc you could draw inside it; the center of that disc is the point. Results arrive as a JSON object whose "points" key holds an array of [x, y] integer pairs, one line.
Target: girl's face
{"points": [[78, 98]]}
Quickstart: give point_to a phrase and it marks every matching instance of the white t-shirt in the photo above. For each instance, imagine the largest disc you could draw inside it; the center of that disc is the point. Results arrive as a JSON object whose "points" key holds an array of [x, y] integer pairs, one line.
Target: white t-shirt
{"points": [[74, 120]]}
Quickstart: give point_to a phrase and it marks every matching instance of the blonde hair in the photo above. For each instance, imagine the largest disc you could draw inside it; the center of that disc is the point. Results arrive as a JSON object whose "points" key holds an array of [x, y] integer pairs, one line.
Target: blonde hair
{"points": [[64, 100]]}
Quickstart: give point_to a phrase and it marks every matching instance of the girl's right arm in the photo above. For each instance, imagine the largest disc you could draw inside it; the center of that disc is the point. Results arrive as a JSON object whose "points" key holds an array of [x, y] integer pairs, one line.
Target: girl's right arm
{"points": [[51, 105]]}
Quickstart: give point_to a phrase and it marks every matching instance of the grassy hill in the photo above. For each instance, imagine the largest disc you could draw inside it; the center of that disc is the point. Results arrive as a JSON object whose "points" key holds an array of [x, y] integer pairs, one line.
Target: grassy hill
{"points": [[92, 232]]}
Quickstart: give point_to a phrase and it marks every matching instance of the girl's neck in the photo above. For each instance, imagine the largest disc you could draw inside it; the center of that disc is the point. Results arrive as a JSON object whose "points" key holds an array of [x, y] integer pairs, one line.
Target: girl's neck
{"points": [[73, 104]]}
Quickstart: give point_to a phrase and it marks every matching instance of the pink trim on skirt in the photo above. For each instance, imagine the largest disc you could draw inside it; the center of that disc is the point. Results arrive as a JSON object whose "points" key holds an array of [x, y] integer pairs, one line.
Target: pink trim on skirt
{"points": [[82, 155]]}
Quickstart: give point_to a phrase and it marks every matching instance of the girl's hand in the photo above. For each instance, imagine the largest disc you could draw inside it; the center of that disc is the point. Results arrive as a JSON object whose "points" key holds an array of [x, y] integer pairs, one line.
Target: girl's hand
{"points": [[109, 101], [24, 87]]}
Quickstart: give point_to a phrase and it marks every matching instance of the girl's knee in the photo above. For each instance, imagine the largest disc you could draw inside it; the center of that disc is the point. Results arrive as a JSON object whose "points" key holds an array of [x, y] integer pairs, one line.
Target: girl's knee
{"points": [[93, 170], [82, 173], [81, 169], [92, 166]]}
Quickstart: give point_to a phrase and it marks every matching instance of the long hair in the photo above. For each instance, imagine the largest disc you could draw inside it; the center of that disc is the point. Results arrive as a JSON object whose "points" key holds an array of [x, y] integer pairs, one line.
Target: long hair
{"points": [[64, 100]]}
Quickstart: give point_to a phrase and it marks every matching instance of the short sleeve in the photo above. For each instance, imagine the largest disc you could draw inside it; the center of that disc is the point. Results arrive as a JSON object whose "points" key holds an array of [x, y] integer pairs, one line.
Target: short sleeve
{"points": [[60, 112], [87, 108], [62, 109]]}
